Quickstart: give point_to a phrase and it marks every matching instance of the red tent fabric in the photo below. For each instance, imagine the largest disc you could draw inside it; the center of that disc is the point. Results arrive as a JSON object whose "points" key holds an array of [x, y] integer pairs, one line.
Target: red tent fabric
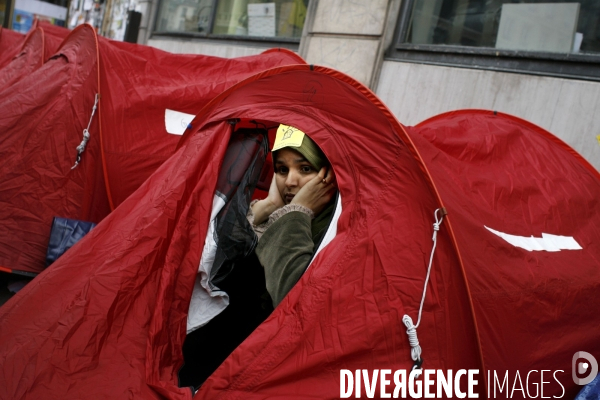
{"points": [[117, 324], [57, 32], [535, 300], [10, 44], [35, 48], [42, 125], [134, 140], [30, 58], [52, 39]]}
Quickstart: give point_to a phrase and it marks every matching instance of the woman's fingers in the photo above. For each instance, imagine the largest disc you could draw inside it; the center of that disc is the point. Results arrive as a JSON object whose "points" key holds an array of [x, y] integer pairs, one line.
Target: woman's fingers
{"points": [[319, 178], [274, 196], [322, 172], [330, 178]]}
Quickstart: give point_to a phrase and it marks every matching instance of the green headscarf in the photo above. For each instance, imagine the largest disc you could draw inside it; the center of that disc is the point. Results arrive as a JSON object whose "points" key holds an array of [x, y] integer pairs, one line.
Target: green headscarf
{"points": [[294, 138]]}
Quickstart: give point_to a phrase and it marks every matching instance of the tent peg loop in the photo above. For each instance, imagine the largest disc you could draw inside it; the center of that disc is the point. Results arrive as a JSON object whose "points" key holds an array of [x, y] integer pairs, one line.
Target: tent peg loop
{"points": [[436, 228], [411, 331], [86, 134]]}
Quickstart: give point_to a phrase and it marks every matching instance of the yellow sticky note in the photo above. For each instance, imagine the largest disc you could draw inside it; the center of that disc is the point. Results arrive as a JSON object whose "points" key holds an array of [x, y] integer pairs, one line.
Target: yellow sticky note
{"points": [[598, 137], [288, 136]]}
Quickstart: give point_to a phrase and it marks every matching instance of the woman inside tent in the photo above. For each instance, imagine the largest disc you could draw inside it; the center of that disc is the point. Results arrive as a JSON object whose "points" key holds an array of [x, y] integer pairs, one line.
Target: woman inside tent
{"points": [[290, 224], [291, 221]]}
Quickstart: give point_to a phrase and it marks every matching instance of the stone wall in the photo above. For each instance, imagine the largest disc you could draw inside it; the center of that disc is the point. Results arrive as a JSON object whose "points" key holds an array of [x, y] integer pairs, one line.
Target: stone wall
{"points": [[349, 36], [568, 108]]}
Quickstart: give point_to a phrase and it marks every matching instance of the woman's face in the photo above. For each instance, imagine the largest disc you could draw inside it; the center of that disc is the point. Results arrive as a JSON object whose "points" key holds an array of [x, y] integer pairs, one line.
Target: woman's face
{"points": [[292, 172]]}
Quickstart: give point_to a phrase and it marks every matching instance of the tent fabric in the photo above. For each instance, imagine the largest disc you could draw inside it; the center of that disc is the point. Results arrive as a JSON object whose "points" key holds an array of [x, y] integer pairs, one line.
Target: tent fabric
{"points": [[134, 141], [52, 41], [10, 44], [118, 323], [53, 36], [36, 48], [30, 58], [126, 310], [42, 125], [55, 31], [497, 171]]}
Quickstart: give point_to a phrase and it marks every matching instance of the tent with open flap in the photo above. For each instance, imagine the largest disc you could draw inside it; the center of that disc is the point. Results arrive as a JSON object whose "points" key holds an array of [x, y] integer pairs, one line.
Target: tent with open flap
{"points": [[512, 287]]}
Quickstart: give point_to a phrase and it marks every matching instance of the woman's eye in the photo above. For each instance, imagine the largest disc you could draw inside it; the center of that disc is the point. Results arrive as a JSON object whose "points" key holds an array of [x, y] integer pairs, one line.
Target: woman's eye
{"points": [[307, 169], [282, 170]]}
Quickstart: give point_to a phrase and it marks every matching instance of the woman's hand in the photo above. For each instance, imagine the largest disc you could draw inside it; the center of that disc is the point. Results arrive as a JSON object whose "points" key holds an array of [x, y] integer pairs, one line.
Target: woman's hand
{"points": [[317, 192], [263, 208]]}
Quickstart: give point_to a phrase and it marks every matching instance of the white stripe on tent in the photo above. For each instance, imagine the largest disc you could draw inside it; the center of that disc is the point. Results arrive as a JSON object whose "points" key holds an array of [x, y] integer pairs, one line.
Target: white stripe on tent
{"points": [[547, 242]]}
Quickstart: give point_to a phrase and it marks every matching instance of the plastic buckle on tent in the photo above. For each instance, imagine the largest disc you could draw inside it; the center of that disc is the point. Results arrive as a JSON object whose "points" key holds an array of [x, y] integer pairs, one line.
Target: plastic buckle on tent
{"points": [[417, 364]]}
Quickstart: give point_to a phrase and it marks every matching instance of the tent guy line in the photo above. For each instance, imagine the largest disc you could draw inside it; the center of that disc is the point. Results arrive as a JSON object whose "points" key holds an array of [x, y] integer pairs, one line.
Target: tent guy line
{"points": [[86, 133], [411, 329]]}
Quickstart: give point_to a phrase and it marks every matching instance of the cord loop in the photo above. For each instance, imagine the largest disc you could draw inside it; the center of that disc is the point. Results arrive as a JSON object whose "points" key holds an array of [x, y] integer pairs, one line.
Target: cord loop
{"points": [[415, 351], [86, 134]]}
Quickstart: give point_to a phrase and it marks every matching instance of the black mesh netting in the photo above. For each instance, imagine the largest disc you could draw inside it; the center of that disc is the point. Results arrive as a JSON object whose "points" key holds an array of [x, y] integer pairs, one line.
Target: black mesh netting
{"points": [[240, 171]]}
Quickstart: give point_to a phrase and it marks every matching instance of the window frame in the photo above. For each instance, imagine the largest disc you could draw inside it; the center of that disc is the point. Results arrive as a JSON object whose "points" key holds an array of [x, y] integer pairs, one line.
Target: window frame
{"points": [[287, 42], [582, 66]]}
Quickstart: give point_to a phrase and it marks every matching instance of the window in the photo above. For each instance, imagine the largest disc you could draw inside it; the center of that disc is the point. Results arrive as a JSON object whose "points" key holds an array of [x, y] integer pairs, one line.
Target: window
{"points": [[280, 20], [560, 38], [4, 11]]}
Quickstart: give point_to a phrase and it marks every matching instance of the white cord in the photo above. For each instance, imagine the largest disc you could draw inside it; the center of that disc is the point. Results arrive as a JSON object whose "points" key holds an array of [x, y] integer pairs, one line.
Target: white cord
{"points": [[86, 134], [415, 351]]}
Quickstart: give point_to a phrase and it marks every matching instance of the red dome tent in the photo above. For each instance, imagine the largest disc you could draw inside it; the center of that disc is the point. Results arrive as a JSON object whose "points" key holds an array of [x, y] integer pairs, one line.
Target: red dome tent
{"points": [[58, 32], [10, 43], [30, 58], [42, 123], [118, 323], [26, 55], [524, 209], [36, 49]]}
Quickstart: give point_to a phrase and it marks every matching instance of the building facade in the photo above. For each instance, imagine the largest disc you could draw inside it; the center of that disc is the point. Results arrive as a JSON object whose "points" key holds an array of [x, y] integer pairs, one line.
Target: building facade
{"points": [[538, 60]]}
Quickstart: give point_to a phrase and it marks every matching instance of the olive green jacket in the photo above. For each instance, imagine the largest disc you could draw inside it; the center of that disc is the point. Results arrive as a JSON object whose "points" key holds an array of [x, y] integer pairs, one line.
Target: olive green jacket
{"points": [[287, 242]]}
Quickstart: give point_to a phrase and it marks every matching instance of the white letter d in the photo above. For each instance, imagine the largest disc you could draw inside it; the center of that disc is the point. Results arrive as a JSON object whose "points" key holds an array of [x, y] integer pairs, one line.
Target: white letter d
{"points": [[346, 390]]}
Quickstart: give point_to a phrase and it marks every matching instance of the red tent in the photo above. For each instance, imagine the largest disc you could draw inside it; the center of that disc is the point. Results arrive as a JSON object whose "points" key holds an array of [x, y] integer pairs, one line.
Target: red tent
{"points": [[30, 58], [42, 124], [114, 309], [58, 32], [36, 49], [53, 37], [10, 44], [22, 54]]}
